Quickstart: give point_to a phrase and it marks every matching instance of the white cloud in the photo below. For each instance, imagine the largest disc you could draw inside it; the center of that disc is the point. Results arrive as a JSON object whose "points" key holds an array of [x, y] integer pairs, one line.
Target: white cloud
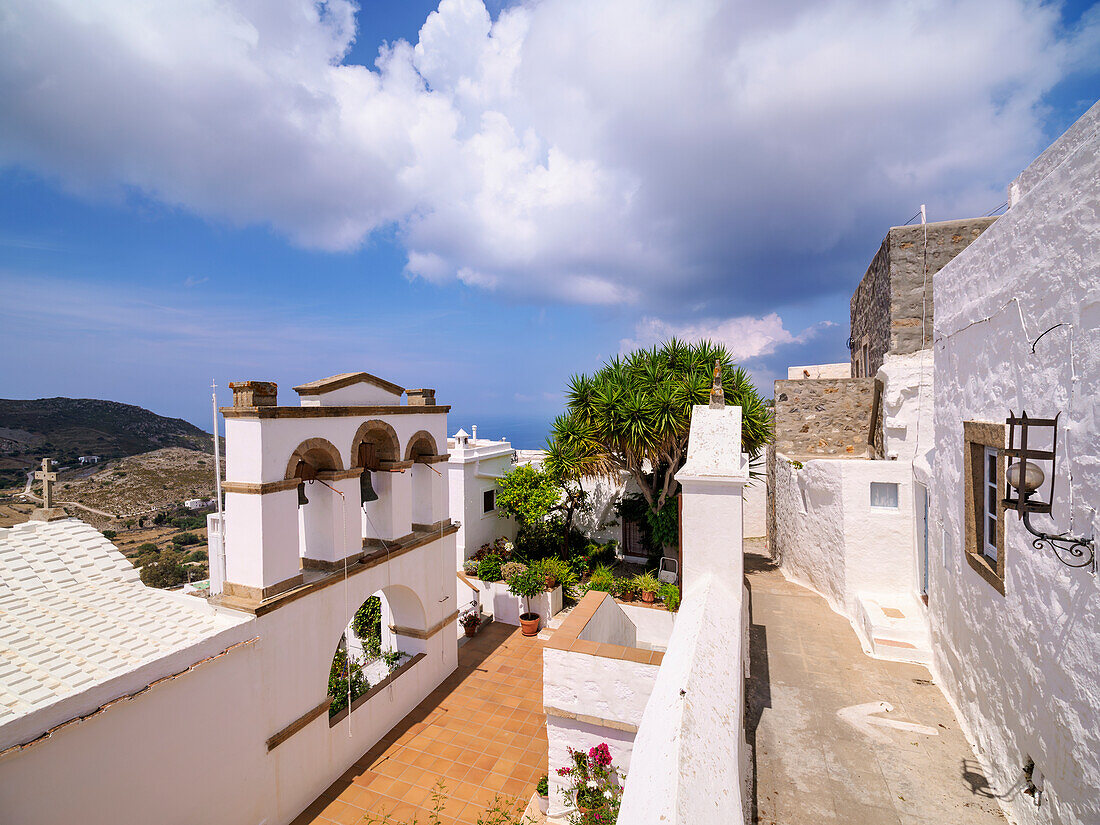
{"points": [[601, 152], [745, 337]]}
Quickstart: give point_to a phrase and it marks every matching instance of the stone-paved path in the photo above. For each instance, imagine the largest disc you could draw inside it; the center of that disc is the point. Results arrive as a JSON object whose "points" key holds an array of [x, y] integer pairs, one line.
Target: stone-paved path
{"points": [[812, 766]]}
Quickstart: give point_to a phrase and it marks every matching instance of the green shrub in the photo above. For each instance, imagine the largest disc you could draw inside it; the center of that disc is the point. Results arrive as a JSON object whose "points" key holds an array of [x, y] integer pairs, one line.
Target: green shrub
{"points": [[198, 555], [109, 534], [488, 570], [602, 579], [543, 788], [510, 569], [367, 624], [670, 595], [147, 547], [558, 570], [184, 539], [393, 658], [338, 677], [647, 583], [164, 570]]}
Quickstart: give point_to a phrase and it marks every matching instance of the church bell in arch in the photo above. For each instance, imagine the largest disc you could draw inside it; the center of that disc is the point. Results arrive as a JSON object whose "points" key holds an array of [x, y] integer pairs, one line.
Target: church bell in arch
{"points": [[366, 489]]}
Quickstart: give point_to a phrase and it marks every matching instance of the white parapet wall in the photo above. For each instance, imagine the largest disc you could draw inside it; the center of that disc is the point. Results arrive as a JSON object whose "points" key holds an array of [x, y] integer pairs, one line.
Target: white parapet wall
{"points": [[691, 763], [843, 370], [690, 760]]}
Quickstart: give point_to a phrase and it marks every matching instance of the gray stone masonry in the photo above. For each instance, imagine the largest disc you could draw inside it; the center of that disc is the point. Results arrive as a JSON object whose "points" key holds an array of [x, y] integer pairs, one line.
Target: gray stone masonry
{"points": [[824, 417], [893, 302]]}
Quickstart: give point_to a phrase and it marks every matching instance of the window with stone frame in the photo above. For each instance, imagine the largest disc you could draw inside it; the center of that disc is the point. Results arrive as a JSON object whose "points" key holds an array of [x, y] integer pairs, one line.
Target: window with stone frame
{"points": [[983, 475]]}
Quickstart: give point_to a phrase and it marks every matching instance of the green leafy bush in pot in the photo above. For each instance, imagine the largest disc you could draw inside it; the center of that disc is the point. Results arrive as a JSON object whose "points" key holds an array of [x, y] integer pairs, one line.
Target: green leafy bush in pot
{"points": [[488, 570], [602, 579], [647, 583]]}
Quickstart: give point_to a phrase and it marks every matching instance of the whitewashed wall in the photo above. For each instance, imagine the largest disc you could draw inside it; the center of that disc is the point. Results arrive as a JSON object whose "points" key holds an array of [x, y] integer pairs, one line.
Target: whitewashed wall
{"points": [[907, 426], [755, 509], [1023, 669], [829, 538], [468, 480], [208, 728], [613, 690]]}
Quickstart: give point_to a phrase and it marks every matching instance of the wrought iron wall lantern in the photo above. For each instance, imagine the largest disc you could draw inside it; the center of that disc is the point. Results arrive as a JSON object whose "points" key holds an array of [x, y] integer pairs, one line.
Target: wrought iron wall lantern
{"points": [[1025, 477]]}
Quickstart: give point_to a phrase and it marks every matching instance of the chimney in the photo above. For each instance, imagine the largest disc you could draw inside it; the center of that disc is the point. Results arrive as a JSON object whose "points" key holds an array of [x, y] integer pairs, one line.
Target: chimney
{"points": [[474, 436], [421, 398], [254, 393]]}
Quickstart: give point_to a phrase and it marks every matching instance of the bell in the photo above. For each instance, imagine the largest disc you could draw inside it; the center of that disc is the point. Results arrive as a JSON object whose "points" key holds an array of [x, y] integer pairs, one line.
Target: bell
{"points": [[366, 489], [302, 500]]}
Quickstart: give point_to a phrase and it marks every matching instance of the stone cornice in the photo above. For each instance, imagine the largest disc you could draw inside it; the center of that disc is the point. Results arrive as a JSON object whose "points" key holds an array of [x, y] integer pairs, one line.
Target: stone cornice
{"points": [[331, 412]]}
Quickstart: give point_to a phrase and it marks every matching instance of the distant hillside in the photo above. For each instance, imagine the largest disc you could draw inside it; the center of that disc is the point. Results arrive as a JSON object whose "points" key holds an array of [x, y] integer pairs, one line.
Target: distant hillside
{"points": [[66, 428]]}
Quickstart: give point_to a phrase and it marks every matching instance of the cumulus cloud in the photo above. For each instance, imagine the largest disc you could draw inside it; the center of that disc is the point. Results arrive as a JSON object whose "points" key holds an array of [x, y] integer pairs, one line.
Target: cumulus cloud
{"points": [[606, 152], [745, 337]]}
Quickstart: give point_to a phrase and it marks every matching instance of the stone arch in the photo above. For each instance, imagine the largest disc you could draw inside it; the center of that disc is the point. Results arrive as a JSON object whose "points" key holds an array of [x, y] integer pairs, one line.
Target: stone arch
{"points": [[318, 453], [403, 627], [387, 446], [421, 444]]}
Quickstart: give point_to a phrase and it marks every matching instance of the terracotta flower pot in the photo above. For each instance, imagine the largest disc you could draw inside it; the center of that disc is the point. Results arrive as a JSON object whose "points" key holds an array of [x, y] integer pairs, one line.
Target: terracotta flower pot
{"points": [[551, 583], [470, 629], [530, 624], [648, 597], [581, 806], [627, 595]]}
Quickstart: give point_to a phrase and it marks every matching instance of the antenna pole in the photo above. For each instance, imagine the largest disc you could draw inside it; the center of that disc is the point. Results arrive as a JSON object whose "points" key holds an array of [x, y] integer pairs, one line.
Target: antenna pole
{"points": [[218, 482]]}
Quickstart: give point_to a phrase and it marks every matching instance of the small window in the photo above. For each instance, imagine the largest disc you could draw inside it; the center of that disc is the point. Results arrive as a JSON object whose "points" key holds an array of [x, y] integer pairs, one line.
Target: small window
{"points": [[989, 517], [983, 478], [489, 501], [884, 495]]}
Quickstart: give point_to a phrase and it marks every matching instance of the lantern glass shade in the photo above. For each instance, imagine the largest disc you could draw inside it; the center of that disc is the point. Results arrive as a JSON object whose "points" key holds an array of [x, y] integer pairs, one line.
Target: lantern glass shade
{"points": [[1027, 479]]}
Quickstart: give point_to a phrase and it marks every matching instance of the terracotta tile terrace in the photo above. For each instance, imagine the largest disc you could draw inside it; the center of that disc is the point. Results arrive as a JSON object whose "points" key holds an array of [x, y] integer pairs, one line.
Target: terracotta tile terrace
{"points": [[482, 732]]}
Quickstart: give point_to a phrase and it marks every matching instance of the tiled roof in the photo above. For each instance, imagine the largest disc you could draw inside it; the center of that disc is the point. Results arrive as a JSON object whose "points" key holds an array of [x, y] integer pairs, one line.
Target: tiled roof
{"points": [[74, 614]]}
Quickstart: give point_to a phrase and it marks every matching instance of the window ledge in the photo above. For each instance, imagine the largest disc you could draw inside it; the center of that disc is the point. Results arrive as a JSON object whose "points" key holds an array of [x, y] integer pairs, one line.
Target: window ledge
{"points": [[983, 568]]}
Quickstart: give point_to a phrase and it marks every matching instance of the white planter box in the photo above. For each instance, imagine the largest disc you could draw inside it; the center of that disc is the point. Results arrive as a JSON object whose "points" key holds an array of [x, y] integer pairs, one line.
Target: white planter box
{"points": [[504, 607]]}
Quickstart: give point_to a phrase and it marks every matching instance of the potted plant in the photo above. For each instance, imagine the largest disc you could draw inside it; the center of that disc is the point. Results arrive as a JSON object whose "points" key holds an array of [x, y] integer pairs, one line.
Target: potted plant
{"points": [[527, 585], [648, 585], [470, 619], [594, 789], [543, 790], [625, 588]]}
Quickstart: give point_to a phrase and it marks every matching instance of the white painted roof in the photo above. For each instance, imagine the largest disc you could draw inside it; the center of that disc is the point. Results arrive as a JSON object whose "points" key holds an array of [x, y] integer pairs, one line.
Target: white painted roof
{"points": [[74, 614]]}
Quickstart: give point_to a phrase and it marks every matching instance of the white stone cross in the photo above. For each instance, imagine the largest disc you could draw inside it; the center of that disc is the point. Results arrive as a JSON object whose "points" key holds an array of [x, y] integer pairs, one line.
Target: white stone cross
{"points": [[47, 476]]}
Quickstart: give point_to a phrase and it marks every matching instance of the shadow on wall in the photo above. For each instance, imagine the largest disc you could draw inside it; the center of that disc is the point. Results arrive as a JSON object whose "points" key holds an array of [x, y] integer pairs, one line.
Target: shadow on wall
{"points": [[758, 695]]}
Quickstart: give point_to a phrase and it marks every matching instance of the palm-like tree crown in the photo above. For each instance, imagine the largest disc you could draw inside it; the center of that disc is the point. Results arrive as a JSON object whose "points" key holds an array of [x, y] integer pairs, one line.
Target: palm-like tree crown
{"points": [[634, 414]]}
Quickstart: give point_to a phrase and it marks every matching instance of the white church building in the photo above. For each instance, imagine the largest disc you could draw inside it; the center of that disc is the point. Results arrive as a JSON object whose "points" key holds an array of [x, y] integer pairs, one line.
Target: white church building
{"points": [[110, 688]]}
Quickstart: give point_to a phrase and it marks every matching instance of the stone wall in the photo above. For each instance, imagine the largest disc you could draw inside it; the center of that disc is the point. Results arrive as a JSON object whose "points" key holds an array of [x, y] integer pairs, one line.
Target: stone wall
{"points": [[890, 306], [870, 308], [820, 417]]}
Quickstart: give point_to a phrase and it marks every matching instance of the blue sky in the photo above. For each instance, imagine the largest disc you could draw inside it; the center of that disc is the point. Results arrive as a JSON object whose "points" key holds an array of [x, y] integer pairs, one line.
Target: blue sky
{"points": [[518, 197]]}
